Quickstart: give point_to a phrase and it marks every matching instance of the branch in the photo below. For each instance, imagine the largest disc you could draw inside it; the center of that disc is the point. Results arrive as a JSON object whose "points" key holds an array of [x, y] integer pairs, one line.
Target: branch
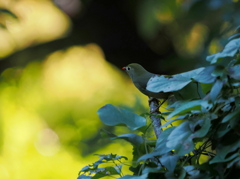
{"points": [[154, 115]]}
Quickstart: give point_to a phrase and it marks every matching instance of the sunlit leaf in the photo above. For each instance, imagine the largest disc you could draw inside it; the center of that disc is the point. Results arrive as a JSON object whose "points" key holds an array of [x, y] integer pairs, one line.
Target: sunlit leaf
{"points": [[112, 115]]}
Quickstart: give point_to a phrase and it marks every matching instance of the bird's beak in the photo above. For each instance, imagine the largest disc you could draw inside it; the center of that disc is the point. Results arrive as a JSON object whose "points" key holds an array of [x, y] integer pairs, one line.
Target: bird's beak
{"points": [[124, 68]]}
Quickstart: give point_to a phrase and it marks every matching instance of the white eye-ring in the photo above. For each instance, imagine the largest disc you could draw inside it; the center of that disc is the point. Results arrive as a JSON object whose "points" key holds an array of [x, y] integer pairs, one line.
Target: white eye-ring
{"points": [[128, 68]]}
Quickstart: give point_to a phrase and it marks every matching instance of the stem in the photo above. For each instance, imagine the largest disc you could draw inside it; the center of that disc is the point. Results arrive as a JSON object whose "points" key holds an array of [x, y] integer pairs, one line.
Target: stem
{"points": [[154, 111]]}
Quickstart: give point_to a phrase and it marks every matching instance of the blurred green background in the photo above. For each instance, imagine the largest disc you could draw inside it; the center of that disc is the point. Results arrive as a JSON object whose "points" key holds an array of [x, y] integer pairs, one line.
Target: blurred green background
{"points": [[61, 61]]}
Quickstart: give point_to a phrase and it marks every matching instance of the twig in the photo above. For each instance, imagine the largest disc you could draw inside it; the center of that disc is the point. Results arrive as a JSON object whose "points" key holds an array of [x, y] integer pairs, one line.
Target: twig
{"points": [[154, 111]]}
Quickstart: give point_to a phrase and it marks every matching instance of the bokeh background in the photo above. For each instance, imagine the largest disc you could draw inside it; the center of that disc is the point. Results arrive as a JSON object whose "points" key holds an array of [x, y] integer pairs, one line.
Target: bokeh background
{"points": [[61, 61]]}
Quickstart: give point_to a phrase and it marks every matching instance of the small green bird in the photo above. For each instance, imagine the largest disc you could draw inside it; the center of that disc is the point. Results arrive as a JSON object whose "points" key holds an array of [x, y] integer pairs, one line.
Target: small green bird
{"points": [[140, 78]]}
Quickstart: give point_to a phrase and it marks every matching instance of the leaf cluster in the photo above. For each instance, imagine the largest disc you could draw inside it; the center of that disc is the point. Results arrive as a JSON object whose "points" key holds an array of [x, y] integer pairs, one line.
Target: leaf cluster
{"points": [[206, 141], [94, 170]]}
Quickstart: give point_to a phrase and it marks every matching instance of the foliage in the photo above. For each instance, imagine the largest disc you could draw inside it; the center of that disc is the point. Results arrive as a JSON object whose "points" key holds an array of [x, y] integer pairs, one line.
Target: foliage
{"points": [[94, 169], [205, 144]]}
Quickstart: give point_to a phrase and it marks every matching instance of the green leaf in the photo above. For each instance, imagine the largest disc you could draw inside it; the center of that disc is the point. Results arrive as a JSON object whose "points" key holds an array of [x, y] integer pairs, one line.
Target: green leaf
{"points": [[169, 161], [230, 116], [179, 139], [216, 89], [222, 151], [236, 162], [112, 115], [234, 36], [219, 159], [84, 177], [205, 76], [151, 170], [205, 124], [191, 170], [222, 130], [186, 107], [219, 71], [134, 139], [171, 121], [234, 72], [167, 84], [144, 176], [229, 50], [161, 147], [164, 83]]}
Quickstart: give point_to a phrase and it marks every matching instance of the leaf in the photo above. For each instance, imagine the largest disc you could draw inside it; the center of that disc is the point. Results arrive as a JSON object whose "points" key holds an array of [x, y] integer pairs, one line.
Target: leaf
{"points": [[230, 116], [205, 124], [222, 151], [216, 89], [151, 170], [205, 76], [219, 159], [84, 177], [229, 50], [181, 137], [236, 162], [132, 138], [164, 83], [144, 176], [222, 130], [234, 36], [186, 107], [191, 170], [234, 72], [112, 115], [171, 121], [169, 161], [161, 147], [149, 156], [192, 73]]}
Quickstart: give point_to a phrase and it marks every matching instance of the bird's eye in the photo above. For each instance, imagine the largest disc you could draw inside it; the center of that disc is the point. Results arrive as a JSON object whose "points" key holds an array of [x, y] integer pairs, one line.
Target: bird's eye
{"points": [[128, 68]]}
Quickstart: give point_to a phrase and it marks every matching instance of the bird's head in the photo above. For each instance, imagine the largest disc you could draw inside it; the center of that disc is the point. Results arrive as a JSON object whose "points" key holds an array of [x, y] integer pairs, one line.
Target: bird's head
{"points": [[134, 69]]}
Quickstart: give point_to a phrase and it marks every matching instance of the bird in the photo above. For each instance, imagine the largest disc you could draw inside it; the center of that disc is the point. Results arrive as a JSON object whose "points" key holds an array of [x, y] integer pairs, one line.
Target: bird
{"points": [[140, 78]]}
